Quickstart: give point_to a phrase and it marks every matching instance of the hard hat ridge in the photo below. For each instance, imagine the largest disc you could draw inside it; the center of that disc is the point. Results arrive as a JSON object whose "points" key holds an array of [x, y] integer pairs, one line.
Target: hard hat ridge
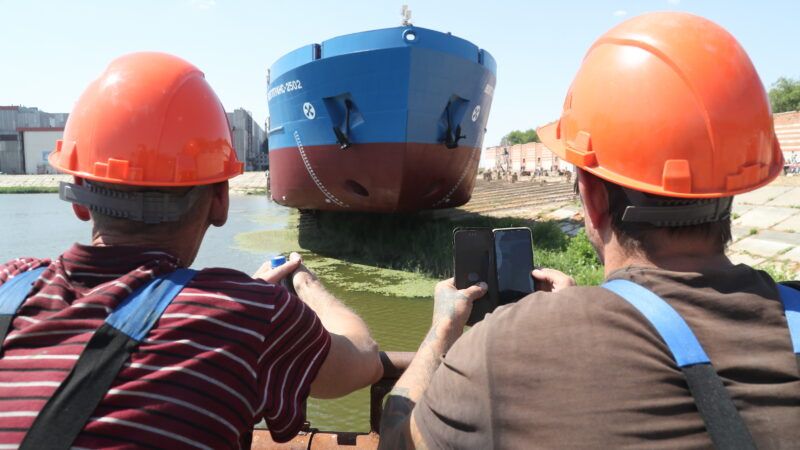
{"points": [[668, 104], [150, 119]]}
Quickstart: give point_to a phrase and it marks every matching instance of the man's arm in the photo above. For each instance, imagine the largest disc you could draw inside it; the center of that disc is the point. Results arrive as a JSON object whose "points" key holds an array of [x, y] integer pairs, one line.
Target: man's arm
{"points": [[451, 310], [353, 361], [450, 313]]}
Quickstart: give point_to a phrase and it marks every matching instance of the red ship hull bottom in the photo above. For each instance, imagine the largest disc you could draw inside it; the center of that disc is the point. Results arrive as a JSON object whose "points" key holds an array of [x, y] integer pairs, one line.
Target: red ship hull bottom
{"points": [[378, 177]]}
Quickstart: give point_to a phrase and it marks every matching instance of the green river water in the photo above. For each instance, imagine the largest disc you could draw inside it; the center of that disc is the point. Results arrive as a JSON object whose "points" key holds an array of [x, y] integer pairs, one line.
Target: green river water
{"points": [[396, 305]]}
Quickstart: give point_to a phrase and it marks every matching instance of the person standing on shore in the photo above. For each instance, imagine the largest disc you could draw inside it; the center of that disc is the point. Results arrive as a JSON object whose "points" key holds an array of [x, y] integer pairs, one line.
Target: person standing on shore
{"points": [[665, 121], [118, 343]]}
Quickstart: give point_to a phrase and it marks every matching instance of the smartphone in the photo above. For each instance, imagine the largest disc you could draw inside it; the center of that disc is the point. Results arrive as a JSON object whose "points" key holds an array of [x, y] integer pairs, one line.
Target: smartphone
{"points": [[513, 255], [473, 262]]}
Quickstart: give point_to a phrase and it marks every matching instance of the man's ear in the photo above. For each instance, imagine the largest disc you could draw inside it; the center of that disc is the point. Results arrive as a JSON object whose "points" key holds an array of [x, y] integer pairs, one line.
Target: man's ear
{"points": [[220, 201], [81, 212], [595, 200]]}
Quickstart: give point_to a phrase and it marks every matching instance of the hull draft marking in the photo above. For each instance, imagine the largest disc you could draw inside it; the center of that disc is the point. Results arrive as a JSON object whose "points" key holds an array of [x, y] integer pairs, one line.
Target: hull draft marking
{"points": [[328, 196], [446, 198]]}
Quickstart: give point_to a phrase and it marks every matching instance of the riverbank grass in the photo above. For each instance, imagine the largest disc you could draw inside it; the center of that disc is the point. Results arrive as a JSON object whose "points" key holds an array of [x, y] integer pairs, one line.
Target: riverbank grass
{"points": [[28, 189], [421, 243]]}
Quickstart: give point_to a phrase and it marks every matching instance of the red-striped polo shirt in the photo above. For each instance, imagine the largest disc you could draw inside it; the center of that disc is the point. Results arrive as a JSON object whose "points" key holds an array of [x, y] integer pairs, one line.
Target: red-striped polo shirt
{"points": [[227, 351]]}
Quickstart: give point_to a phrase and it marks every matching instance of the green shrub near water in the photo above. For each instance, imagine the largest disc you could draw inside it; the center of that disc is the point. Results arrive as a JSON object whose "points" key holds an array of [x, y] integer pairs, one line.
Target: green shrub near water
{"points": [[577, 259], [422, 243], [28, 189]]}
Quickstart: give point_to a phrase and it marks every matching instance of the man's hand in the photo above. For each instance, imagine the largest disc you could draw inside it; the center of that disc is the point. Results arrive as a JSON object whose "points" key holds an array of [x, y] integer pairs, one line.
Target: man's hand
{"points": [[551, 280], [352, 361], [452, 306], [451, 310], [285, 270]]}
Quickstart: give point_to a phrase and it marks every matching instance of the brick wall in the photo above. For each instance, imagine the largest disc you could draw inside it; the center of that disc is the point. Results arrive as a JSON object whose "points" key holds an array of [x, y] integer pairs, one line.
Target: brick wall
{"points": [[787, 129]]}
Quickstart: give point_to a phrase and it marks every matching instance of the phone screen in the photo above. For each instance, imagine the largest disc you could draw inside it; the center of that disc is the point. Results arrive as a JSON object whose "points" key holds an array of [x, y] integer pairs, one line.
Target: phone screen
{"points": [[473, 258], [514, 262]]}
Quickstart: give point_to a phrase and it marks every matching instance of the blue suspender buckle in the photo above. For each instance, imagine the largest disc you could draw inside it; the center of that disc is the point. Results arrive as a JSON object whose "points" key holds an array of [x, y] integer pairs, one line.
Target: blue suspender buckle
{"points": [[12, 295], [791, 307], [724, 423], [100, 362], [670, 325]]}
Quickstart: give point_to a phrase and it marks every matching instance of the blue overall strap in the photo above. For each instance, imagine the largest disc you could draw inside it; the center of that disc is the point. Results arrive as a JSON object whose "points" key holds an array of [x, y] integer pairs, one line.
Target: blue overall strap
{"points": [[722, 419], [67, 411], [12, 294], [791, 306], [137, 314]]}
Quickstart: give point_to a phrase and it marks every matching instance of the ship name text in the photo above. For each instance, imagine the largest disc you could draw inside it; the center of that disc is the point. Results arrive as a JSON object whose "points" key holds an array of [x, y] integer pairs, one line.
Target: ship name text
{"points": [[289, 86]]}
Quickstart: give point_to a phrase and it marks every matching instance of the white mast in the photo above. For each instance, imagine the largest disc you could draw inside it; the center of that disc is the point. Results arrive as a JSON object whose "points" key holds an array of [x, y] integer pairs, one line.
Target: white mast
{"points": [[405, 13]]}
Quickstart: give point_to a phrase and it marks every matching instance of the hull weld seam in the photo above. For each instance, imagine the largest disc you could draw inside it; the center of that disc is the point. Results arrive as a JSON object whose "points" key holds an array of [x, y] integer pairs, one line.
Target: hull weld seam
{"points": [[446, 198], [313, 174]]}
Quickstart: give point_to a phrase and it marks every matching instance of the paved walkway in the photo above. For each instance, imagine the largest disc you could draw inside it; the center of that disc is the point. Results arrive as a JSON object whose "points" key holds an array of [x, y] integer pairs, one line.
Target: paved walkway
{"points": [[766, 227]]}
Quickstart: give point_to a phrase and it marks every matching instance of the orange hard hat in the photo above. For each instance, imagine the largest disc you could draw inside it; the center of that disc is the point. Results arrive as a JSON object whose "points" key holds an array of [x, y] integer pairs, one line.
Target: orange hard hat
{"points": [[151, 119], [669, 104]]}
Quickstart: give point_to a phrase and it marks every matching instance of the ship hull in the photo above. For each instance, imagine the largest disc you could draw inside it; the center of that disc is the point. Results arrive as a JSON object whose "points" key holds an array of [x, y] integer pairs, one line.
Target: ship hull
{"points": [[376, 122], [384, 177]]}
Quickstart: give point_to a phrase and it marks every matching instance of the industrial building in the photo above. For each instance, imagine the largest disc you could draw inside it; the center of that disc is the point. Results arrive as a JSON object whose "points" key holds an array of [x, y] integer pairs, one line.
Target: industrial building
{"points": [[37, 143], [28, 135], [248, 140], [20, 125], [787, 129], [521, 158]]}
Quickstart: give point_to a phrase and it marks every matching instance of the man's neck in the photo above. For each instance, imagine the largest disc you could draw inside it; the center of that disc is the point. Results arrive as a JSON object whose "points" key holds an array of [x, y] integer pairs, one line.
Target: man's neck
{"points": [[182, 249], [678, 256]]}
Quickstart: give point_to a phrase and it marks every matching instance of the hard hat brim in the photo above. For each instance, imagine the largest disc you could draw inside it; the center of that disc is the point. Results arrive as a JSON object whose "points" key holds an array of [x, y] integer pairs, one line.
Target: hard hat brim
{"points": [[548, 135]]}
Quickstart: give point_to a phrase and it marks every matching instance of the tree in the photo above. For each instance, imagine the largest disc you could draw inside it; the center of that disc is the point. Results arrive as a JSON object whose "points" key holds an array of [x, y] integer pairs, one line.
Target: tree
{"points": [[785, 95], [520, 137]]}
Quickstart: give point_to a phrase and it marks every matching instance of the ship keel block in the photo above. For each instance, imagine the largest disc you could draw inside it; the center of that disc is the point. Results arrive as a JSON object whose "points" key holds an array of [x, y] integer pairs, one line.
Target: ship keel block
{"points": [[373, 177]]}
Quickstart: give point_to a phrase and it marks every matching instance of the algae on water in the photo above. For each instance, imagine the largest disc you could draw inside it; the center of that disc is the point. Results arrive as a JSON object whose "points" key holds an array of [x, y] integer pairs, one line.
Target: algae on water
{"points": [[363, 278], [345, 275]]}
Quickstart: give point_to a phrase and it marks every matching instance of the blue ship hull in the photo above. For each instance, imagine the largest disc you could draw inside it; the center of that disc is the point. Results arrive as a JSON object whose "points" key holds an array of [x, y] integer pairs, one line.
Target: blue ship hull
{"points": [[386, 120]]}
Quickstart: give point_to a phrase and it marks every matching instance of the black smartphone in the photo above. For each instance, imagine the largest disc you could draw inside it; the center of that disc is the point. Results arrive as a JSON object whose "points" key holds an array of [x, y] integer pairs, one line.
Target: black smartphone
{"points": [[473, 262], [513, 256]]}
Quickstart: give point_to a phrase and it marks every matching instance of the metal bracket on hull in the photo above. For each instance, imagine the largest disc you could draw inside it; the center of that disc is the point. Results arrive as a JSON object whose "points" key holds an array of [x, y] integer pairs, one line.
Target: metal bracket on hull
{"points": [[351, 114], [451, 138], [341, 138]]}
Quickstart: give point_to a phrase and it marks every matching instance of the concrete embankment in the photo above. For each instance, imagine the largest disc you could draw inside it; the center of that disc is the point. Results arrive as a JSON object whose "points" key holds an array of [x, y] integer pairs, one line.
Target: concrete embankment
{"points": [[249, 182], [766, 222], [550, 199]]}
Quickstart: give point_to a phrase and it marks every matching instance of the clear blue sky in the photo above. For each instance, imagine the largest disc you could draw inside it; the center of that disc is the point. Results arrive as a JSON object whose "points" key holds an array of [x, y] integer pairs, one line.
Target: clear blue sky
{"points": [[50, 50]]}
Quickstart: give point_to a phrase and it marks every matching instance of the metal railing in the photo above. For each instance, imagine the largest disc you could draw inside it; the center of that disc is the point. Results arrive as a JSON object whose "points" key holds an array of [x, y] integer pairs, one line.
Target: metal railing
{"points": [[394, 364]]}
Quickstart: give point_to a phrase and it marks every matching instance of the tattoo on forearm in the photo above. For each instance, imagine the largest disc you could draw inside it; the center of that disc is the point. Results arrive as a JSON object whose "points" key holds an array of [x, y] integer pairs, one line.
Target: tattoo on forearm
{"points": [[398, 431], [399, 391], [395, 432], [446, 305]]}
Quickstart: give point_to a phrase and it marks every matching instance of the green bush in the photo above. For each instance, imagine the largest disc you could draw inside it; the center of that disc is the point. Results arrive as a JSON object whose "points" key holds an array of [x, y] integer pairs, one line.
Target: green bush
{"points": [[28, 189], [419, 243]]}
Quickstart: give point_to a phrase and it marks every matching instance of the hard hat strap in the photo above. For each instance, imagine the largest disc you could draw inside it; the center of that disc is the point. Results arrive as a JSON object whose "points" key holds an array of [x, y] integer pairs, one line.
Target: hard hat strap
{"points": [[149, 207], [671, 213]]}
